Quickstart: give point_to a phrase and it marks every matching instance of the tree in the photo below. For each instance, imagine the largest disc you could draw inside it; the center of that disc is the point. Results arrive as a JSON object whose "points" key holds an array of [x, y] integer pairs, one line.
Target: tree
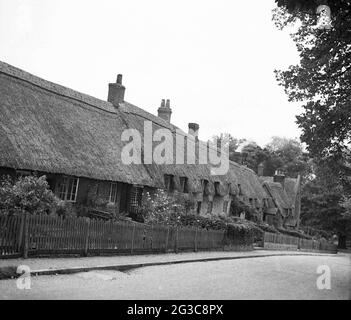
{"points": [[30, 194], [323, 205], [322, 79], [254, 155], [232, 143], [289, 155], [281, 153]]}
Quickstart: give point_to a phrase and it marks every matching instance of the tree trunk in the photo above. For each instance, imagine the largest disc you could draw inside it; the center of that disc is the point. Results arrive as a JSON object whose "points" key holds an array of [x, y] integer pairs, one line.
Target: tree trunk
{"points": [[342, 242]]}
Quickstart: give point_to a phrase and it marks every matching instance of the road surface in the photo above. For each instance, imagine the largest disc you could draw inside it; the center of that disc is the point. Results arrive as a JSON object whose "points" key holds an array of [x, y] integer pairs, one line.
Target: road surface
{"points": [[284, 277]]}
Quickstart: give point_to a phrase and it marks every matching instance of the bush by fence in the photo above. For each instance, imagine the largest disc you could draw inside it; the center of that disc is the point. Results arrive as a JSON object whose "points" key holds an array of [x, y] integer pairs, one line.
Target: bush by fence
{"points": [[33, 235], [280, 241]]}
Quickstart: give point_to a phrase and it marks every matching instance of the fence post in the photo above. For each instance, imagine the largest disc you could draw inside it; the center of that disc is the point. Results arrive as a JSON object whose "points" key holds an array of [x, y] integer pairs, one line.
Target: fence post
{"points": [[167, 239], [132, 247], [86, 247], [176, 240], [195, 240], [20, 234], [25, 236]]}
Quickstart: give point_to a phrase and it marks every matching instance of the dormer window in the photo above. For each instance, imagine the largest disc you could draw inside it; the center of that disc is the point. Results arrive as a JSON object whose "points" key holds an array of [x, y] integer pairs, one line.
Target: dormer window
{"points": [[209, 207], [225, 206], [257, 205], [216, 184], [240, 191], [184, 184], [169, 182], [204, 184], [198, 207]]}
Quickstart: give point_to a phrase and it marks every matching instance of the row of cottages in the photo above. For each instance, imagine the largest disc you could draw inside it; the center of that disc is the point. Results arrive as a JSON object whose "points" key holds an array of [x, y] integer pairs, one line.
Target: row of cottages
{"points": [[75, 140]]}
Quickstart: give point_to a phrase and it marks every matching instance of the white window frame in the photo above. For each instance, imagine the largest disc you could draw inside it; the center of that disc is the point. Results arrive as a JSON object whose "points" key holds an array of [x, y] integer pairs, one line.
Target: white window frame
{"points": [[65, 195], [225, 206], [210, 207], [112, 184]]}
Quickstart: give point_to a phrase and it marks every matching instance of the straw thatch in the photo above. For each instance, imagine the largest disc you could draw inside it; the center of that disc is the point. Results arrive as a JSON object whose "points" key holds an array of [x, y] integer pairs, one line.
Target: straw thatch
{"points": [[222, 189], [284, 197], [50, 128]]}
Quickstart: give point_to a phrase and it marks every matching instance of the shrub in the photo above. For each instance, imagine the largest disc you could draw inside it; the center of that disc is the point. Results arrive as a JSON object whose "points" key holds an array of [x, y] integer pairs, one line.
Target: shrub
{"points": [[267, 228], [162, 208], [209, 223], [240, 234], [30, 194], [294, 233], [67, 209]]}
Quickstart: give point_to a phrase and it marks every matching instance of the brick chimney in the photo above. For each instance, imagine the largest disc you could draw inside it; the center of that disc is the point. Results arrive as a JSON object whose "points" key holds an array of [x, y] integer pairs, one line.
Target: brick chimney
{"points": [[260, 169], [194, 130], [116, 92], [165, 111], [279, 176]]}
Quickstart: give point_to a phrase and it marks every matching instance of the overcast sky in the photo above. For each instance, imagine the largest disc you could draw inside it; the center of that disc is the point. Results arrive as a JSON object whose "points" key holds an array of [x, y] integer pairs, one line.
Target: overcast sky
{"points": [[213, 59]]}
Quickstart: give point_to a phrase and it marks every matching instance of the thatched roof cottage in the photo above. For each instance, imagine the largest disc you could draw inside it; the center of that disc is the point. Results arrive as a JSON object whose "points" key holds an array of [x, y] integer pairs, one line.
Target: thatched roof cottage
{"points": [[286, 194], [75, 139]]}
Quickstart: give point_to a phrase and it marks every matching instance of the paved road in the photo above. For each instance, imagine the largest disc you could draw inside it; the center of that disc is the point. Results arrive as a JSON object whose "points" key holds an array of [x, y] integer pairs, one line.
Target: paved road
{"points": [[287, 277]]}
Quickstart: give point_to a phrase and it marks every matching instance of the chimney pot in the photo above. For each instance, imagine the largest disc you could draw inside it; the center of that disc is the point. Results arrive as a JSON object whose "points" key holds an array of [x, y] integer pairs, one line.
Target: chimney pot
{"points": [[279, 176], [165, 111], [116, 92], [194, 129]]}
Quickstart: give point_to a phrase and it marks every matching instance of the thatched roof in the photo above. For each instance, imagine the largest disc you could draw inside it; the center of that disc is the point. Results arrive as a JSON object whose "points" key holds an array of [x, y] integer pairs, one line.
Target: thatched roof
{"points": [[284, 197], [46, 127], [50, 128]]}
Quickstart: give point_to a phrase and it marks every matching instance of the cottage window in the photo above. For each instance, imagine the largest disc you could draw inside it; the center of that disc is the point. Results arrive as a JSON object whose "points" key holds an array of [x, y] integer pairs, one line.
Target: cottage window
{"points": [[198, 208], [257, 205], [169, 183], [184, 184], [204, 184], [265, 203], [216, 184], [113, 192], [225, 206], [68, 189], [136, 195], [210, 207], [240, 191]]}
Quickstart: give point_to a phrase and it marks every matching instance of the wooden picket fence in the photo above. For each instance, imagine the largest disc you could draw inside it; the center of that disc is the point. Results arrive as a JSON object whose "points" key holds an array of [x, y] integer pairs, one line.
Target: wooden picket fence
{"points": [[34, 235], [281, 241], [11, 235], [280, 238]]}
